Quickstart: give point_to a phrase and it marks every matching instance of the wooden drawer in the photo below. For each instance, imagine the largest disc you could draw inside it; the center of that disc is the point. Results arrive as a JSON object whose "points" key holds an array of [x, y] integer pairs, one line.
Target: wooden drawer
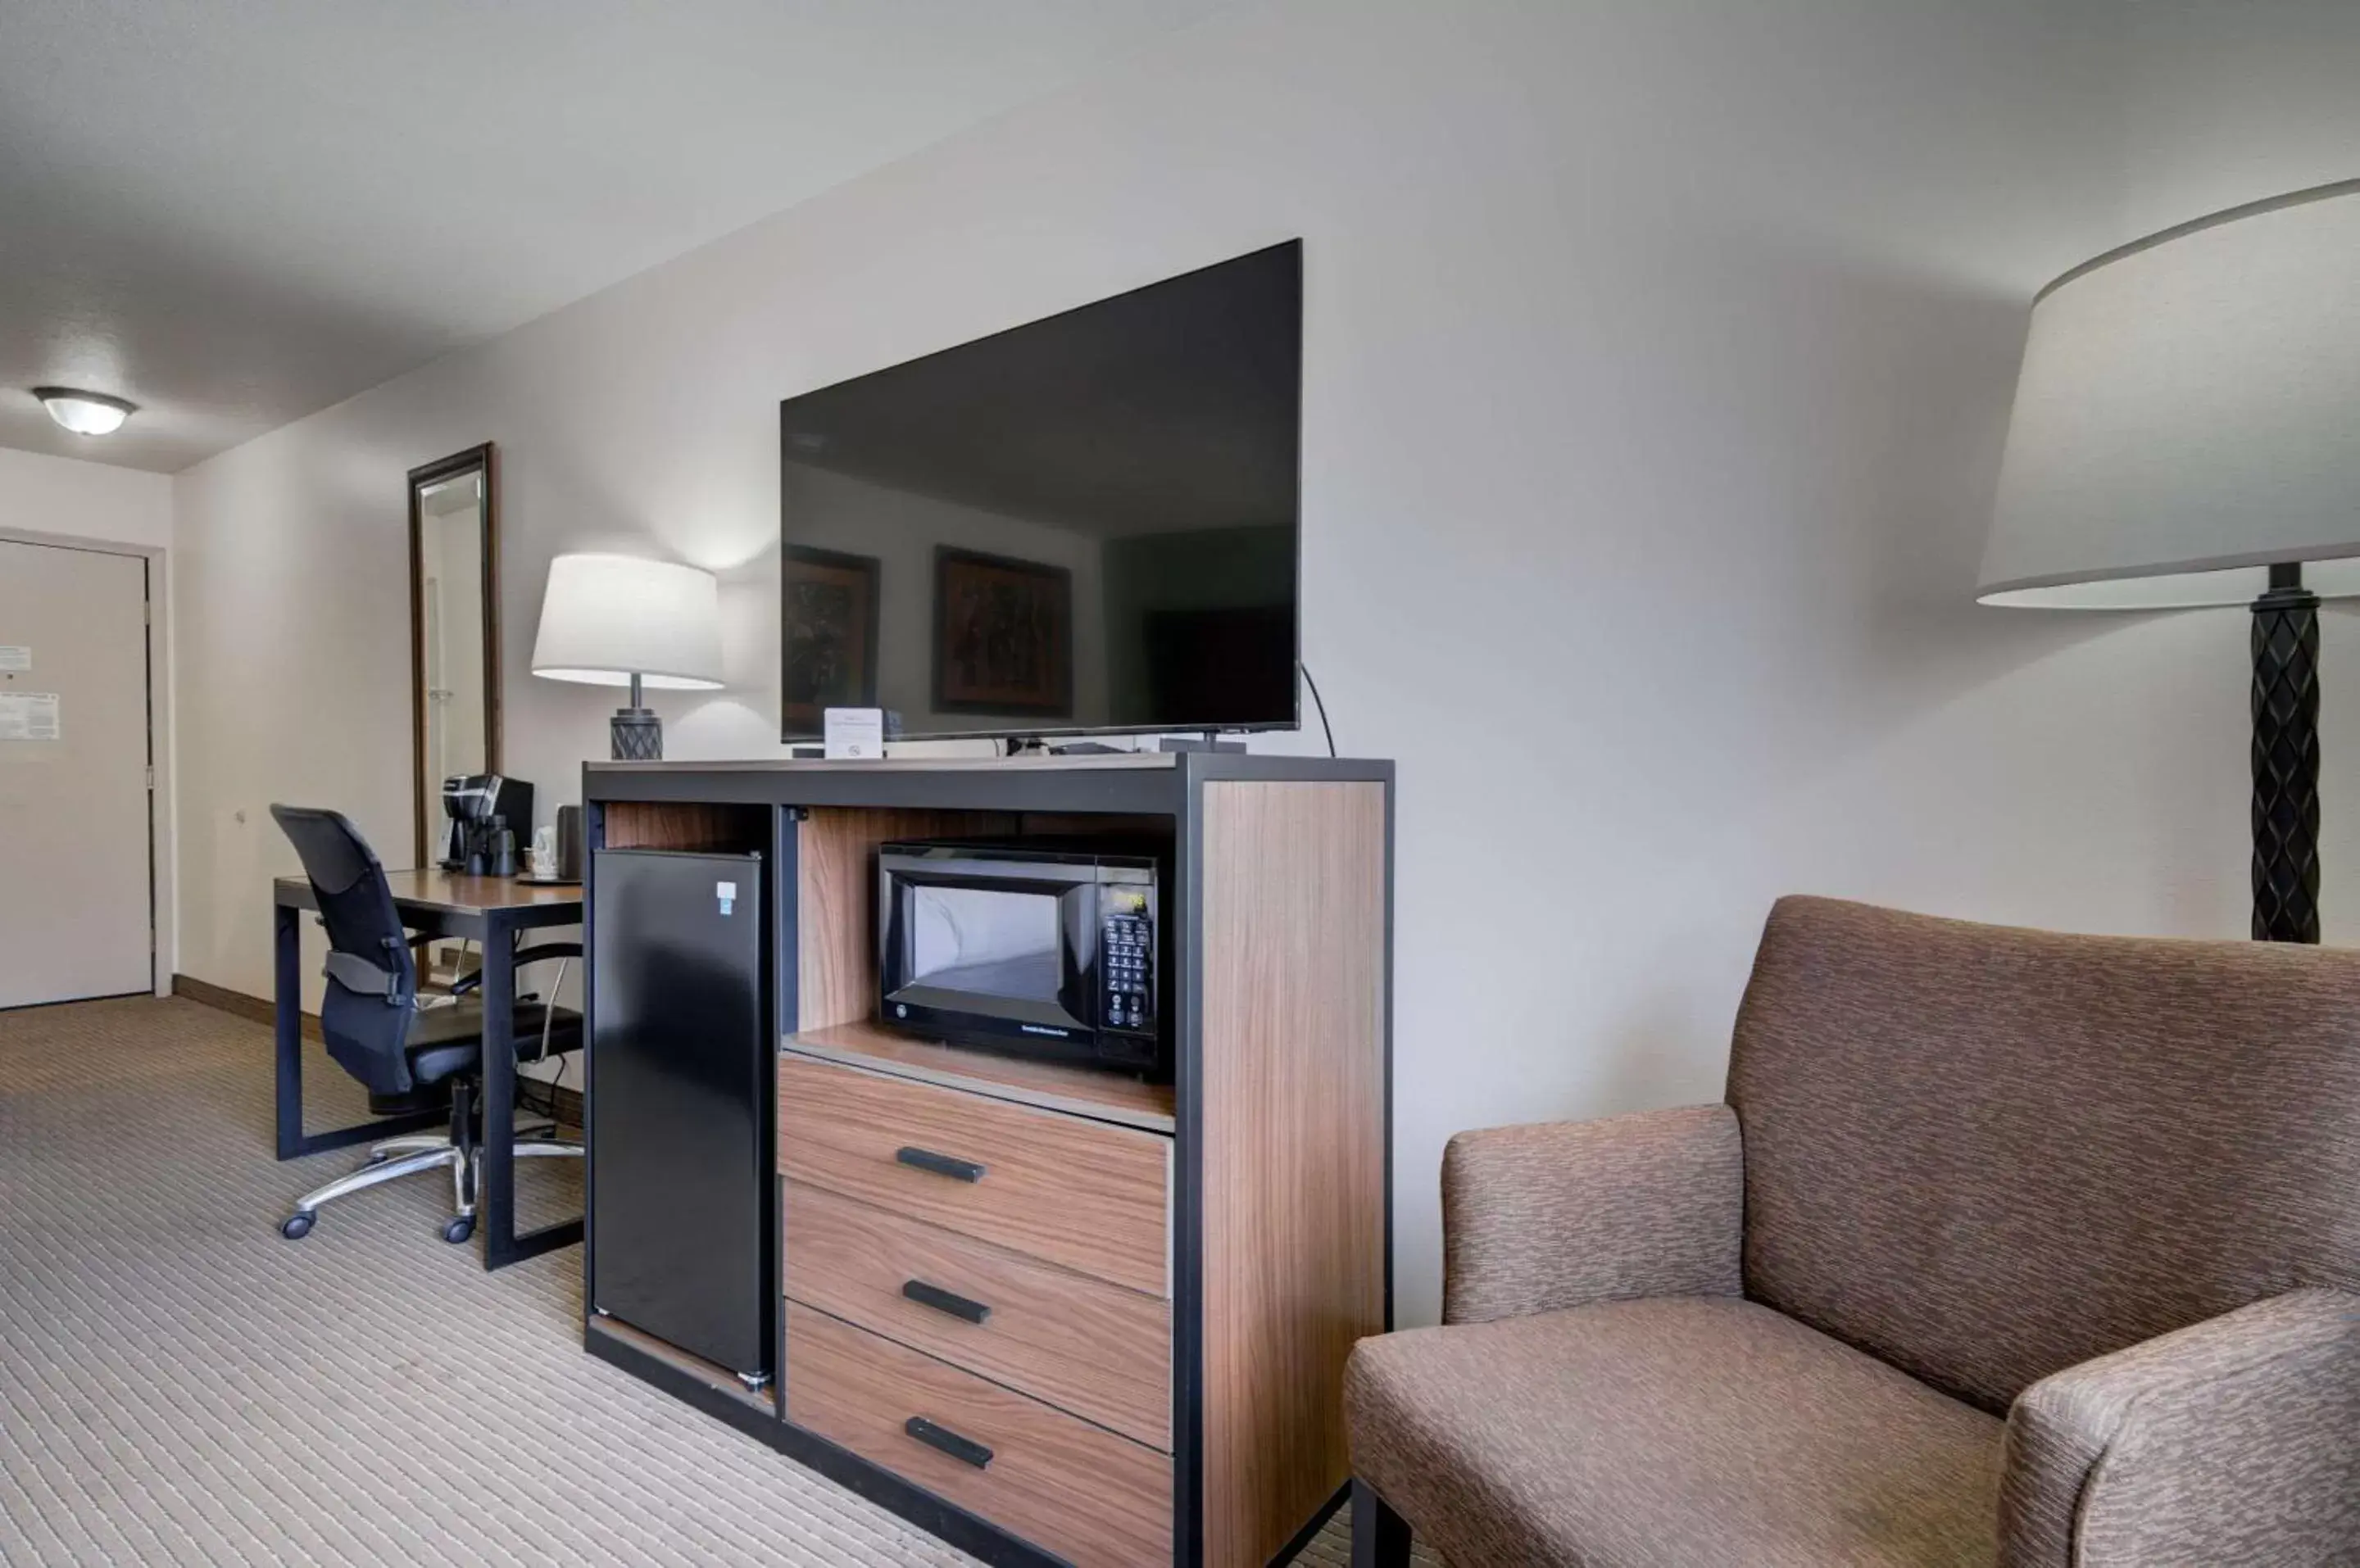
{"points": [[1086, 1194], [1084, 1345], [1077, 1489]]}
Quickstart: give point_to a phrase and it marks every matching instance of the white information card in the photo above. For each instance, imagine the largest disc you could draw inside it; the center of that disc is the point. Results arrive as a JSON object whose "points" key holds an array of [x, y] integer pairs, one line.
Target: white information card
{"points": [[855, 734], [28, 715]]}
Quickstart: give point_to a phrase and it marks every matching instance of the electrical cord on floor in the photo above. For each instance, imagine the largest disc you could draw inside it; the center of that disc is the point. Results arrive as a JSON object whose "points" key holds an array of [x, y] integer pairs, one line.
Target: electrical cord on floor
{"points": [[1319, 703], [551, 1089], [547, 1105]]}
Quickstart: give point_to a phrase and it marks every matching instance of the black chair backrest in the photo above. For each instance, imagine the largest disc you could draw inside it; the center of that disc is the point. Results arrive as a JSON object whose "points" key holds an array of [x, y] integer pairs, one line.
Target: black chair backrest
{"points": [[372, 974]]}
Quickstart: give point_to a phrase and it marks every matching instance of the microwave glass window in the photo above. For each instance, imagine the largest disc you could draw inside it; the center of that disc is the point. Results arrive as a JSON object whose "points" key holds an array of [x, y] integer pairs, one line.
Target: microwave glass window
{"points": [[986, 941]]}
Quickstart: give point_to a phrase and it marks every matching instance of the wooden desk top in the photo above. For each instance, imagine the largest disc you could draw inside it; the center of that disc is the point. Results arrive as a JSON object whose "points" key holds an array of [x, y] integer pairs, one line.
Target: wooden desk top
{"points": [[454, 891]]}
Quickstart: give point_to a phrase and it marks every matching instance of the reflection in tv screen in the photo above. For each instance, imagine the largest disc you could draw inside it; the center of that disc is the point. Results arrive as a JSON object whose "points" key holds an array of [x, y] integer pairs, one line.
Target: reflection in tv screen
{"points": [[1087, 523]]}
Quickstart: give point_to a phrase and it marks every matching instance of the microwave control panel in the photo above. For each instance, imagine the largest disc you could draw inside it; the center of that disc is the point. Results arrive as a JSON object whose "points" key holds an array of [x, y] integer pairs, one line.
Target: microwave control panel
{"points": [[1126, 959]]}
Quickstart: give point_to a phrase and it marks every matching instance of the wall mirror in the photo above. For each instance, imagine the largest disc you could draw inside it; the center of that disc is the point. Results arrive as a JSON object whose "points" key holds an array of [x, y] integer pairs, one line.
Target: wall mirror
{"points": [[455, 631]]}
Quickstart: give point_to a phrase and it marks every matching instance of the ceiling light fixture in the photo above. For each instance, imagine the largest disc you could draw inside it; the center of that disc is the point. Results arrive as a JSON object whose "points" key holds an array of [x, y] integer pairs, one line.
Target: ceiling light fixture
{"points": [[86, 413]]}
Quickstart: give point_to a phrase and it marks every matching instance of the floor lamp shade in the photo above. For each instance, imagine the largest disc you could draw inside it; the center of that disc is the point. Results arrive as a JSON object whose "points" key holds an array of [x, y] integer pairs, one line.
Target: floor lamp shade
{"points": [[2186, 433], [617, 620], [2188, 415]]}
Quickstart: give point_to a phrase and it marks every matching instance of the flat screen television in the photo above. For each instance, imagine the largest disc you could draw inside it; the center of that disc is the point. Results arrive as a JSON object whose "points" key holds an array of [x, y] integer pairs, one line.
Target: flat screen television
{"points": [[1086, 525]]}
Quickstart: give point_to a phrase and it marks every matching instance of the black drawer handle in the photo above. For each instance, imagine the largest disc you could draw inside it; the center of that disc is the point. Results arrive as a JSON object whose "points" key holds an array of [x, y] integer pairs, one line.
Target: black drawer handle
{"points": [[943, 1301], [940, 1164], [966, 1450]]}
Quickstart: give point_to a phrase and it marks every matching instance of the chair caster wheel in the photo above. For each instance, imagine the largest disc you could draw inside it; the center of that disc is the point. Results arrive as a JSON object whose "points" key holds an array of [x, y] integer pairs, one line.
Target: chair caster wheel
{"points": [[296, 1227], [459, 1230]]}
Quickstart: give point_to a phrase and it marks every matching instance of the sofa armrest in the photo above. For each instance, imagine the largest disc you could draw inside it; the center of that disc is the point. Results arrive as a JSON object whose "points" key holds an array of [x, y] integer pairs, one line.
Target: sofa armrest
{"points": [[1560, 1213], [2237, 1439]]}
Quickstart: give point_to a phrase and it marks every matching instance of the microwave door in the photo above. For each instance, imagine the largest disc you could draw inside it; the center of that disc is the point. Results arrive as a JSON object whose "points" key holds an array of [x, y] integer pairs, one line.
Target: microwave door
{"points": [[990, 945]]}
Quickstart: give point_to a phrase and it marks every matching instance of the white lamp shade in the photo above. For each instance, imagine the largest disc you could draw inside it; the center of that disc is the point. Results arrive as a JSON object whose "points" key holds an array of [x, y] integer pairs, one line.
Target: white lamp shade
{"points": [[607, 618], [2188, 415]]}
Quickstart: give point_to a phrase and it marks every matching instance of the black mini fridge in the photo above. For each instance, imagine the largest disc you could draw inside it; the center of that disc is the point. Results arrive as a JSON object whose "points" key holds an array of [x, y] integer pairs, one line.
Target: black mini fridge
{"points": [[680, 1108]]}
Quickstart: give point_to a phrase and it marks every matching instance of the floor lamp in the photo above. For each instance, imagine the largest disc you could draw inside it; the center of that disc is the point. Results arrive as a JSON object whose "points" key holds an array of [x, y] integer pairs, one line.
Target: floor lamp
{"points": [[2187, 434], [615, 620]]}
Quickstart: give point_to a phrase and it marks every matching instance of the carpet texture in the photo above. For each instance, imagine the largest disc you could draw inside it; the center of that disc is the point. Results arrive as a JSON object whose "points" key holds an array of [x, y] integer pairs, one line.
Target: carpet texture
{"points": [[178, 1385]]}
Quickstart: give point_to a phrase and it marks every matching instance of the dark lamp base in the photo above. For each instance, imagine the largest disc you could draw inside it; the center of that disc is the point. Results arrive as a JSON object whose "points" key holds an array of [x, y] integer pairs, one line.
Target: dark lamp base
{"points": [[637, 735]]}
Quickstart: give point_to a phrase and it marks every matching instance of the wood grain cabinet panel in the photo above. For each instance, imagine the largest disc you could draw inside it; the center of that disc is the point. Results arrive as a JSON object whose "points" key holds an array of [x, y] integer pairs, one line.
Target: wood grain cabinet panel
{"points": [[1295, 1115], [1078, 1490], [836, 900], [1084, 1345], [1085, 1194]]}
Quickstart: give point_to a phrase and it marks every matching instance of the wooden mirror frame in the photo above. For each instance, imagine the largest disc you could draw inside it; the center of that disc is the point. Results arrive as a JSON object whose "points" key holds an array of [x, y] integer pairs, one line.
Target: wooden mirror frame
{"points": [[475, 459]]}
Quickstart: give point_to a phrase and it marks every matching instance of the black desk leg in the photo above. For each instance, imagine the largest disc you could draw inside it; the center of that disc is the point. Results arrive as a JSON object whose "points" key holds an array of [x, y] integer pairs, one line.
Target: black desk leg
{"points": [[287, 990], [496, 1191], [496, 1196], [287, 1050]]}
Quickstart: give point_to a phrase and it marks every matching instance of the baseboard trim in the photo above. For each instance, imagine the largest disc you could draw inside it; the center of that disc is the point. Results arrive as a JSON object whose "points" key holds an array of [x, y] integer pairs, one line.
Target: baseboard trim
{"points": [[223, 999]]}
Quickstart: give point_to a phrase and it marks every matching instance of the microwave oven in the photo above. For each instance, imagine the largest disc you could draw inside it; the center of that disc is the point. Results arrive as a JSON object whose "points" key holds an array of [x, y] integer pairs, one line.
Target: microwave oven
{"points": [[1037, 947]]}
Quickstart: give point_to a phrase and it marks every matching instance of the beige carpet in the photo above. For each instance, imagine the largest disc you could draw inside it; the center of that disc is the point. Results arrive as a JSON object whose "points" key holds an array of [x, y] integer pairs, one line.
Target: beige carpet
{"points": [[180, 1386]]}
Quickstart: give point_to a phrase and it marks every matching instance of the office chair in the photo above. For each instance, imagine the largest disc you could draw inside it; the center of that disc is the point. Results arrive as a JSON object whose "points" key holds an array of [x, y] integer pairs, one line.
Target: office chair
{"points": [[412, 1052]]}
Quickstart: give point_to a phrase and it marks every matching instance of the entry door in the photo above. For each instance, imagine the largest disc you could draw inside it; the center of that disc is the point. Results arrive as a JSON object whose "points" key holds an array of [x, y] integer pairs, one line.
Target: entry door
{"points": [[75, 905]]}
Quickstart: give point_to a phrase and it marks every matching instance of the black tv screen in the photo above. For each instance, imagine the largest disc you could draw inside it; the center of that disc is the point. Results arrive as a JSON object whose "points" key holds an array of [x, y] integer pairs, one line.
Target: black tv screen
{"points": [[1087, 524]]}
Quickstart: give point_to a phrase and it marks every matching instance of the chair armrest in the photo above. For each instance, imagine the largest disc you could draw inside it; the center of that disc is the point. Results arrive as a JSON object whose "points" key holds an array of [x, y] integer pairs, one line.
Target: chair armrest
{"points": [[2237, 1439], [546, 950], [1561, 1213]]}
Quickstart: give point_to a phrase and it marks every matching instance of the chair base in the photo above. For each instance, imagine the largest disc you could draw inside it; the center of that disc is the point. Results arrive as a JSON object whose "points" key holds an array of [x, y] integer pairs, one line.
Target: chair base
{"points": [[394, 1157], [1380, 1536]]}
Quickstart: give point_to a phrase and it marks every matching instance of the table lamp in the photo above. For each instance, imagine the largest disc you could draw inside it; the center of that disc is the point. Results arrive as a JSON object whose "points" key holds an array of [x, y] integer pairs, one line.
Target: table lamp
{"points": [[2187, 434], [615, 620]]}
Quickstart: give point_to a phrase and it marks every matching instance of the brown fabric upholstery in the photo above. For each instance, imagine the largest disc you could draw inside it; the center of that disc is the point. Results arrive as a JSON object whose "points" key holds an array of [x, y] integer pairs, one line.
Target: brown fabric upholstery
{"points": [[1985, 1154], [1670, 1433], [1565, 1213], [2114, 1181], [2235, 1441]]}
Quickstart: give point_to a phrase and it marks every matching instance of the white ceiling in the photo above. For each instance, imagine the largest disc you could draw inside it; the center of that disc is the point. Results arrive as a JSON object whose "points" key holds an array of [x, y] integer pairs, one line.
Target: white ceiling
{"points": [[236, 211]]}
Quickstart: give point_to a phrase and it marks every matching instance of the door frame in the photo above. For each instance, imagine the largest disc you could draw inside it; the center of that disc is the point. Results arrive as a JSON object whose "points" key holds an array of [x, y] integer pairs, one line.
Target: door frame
{"points": [[163, 859]]}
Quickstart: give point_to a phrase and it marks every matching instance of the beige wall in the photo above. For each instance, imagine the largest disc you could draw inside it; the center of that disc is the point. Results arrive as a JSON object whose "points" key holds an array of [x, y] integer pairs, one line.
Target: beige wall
{"points": [[1657, 362], [68, 497]]}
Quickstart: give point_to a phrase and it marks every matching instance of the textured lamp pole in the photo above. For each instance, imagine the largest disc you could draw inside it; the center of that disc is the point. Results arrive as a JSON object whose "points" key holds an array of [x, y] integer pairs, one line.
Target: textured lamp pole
{"points": [[2286, 759]]}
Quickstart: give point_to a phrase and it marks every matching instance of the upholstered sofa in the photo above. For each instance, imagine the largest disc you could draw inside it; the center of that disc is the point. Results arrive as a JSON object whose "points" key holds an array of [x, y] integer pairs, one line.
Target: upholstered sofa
{"points": [[2007, 1247]]}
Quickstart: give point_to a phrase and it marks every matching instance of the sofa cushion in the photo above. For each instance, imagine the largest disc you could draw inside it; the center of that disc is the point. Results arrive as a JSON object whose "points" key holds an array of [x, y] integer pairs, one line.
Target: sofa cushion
{"points": [[1985, 1154], [1670, 1433]]}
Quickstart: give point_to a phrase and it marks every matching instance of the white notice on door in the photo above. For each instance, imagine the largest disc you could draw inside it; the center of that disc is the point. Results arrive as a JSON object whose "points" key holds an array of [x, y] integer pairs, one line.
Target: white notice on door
{"points": [[28, 715], [15, 656]]}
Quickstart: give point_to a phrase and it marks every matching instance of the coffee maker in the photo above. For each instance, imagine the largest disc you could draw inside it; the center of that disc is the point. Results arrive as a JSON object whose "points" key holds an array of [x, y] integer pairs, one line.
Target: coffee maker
{"points": [[481, 807]]}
